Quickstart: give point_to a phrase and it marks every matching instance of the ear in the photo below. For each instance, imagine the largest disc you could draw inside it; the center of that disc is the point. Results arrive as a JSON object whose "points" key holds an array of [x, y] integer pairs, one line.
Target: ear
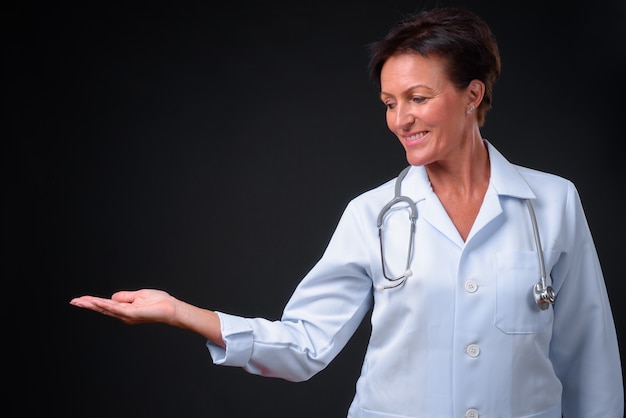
{"points": [[475, 93]]}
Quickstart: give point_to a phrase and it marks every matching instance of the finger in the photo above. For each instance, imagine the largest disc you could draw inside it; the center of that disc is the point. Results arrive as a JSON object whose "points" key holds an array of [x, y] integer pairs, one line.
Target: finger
{"points": [[84, 301], [125, 296], [110, 308]]}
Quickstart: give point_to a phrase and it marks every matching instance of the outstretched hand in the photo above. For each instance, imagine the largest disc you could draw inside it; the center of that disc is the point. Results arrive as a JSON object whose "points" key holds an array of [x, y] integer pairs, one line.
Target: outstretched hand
{"points": [[133, 307], [147, 306]]}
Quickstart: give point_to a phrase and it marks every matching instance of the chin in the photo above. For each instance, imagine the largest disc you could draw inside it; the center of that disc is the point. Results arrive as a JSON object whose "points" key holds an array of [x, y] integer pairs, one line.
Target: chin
{"points": [[415, 158]]}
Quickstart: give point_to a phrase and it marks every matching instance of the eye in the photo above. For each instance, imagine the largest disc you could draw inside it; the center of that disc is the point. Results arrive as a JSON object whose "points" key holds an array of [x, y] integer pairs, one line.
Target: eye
{"points": [[418, 99], [389, 104]]}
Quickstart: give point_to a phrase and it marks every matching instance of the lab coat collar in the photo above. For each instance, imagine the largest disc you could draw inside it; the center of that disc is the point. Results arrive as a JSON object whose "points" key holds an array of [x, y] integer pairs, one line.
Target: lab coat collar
{"points": [[506, 177], [505, 180]]}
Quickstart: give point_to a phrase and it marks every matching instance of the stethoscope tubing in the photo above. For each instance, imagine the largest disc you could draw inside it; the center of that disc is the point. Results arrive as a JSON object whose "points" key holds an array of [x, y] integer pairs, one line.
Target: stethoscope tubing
{"points": [[544, 295]]}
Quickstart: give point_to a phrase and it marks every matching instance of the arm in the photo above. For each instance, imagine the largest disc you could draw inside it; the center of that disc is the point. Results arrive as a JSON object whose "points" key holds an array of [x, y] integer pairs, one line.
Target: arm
{"points": [[318, 320], [584, 347], [147, 306], [321, 316]]}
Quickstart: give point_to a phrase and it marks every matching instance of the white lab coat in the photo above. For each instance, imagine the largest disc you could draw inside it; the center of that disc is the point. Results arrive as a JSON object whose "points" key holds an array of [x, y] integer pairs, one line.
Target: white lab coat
{"points": [[463, 337]]}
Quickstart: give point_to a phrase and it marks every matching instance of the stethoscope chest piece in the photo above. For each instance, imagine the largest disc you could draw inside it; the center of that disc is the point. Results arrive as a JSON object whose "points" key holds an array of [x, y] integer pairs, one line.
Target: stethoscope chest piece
{"points": [[544, 295]]}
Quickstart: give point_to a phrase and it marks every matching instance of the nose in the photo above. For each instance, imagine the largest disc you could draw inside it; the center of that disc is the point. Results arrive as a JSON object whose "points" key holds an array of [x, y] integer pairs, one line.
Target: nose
{"points": [[404, 117]]}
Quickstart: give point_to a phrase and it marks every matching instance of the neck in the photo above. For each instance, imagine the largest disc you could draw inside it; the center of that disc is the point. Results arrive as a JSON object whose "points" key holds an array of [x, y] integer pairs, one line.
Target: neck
{"points": [[464, 175]]}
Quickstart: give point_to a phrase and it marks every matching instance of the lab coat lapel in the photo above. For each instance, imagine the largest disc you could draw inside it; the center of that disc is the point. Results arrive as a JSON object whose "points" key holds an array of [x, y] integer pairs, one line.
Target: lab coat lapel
{"points": [[430, 209], [506, 180], [435, 214], [489, 210]]}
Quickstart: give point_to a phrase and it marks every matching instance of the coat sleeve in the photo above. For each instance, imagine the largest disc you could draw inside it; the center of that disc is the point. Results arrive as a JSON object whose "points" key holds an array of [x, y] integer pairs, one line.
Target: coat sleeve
{"points": [[321, 316], [584, 348]]}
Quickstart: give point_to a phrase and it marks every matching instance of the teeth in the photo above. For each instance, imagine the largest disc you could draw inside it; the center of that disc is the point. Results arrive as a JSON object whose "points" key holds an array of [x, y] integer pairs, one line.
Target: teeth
{"points": [[416, 136]]}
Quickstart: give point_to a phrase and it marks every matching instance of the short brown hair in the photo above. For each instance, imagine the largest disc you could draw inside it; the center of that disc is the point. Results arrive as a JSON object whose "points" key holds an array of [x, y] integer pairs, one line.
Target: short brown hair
{"points": [[459, 36]]}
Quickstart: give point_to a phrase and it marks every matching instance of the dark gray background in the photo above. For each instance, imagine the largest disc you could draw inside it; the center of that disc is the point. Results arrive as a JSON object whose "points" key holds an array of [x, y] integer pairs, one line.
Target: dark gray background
{"points": [[209, 151]]}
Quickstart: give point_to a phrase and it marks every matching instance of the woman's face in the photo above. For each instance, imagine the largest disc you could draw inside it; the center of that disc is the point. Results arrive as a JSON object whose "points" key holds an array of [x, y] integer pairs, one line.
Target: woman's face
{"points": [[424, 109]]}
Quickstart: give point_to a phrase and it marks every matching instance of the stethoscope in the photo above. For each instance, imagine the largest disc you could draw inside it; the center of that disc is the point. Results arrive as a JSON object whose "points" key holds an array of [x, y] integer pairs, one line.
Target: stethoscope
{"points": [[544, 294]]}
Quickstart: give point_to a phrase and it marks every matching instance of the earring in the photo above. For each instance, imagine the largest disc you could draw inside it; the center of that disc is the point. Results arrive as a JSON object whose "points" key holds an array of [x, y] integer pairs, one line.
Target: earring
{"points": [[470, 110]]}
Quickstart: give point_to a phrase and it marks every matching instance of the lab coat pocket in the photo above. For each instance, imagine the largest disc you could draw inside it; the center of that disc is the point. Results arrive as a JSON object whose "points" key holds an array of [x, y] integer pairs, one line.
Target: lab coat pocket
{"points": [[516, 309]]}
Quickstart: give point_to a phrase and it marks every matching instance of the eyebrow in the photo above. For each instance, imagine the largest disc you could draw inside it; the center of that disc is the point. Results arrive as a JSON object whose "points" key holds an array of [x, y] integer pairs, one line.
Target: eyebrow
{"points": [[411, 88]]}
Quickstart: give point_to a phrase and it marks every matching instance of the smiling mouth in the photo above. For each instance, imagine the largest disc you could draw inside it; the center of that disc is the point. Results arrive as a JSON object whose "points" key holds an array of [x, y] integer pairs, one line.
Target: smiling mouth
{"points": [[416, 136]]}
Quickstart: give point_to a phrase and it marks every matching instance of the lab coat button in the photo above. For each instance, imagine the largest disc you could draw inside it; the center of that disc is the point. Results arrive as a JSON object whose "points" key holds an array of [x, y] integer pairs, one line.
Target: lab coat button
{"points": [[471, 286], [471, 413], [473, 350]]}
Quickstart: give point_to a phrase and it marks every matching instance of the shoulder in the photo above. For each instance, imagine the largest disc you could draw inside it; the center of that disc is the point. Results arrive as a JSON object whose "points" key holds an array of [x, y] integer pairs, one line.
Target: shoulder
{"points": [[545, 182], [524, 182]]}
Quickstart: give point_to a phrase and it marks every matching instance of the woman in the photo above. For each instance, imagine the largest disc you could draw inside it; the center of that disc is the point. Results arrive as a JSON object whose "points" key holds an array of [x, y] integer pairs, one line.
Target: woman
{"points": [[487, 293]]}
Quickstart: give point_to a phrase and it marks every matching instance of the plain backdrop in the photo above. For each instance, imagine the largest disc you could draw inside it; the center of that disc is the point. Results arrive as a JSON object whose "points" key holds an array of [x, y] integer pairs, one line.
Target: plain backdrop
{"points": [[209, 150]]}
